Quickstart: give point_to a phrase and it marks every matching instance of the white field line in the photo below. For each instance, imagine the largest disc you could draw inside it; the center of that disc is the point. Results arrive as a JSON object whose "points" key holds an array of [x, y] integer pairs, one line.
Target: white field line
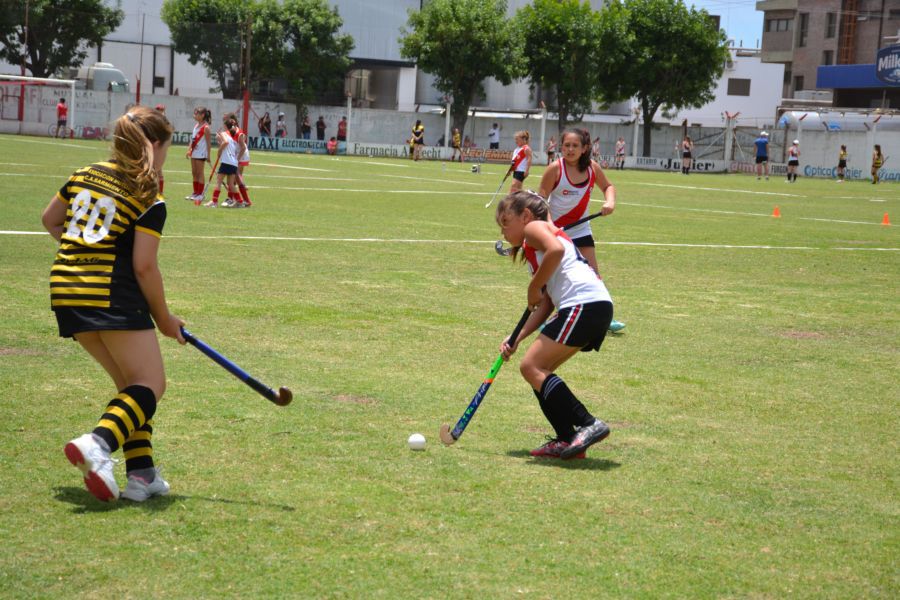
{"points": [[421, 179], [383, 164], [67, 145], [491, 242], [706, 189]]}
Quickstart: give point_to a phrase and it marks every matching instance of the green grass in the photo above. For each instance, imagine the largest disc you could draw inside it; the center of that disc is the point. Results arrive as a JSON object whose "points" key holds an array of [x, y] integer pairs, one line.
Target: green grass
{"points": [[753, 396]]}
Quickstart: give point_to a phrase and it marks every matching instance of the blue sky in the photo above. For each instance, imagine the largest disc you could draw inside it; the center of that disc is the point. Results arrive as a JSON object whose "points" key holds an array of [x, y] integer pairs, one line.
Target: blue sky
{"points": [[739, 19]]}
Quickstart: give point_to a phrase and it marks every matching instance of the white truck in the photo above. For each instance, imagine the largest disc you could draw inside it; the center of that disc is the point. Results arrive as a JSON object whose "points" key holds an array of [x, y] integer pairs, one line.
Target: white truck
{"points": [[102, 77]]}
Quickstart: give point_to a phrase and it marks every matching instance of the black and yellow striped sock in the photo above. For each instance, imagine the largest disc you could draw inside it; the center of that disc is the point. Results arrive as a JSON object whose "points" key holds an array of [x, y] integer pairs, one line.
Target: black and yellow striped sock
{"points": [[125, 413], [138, 449]]}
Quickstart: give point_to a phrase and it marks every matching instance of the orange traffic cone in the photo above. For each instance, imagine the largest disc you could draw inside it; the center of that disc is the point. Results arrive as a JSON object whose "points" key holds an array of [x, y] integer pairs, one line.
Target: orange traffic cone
{"points": [[776, 213], [885, 220]]}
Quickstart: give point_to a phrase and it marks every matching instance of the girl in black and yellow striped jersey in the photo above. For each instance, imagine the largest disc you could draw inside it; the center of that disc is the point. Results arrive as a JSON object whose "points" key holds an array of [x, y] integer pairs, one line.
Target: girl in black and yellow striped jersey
{"points": [[842, 163], [105, 285], [877, 162]]}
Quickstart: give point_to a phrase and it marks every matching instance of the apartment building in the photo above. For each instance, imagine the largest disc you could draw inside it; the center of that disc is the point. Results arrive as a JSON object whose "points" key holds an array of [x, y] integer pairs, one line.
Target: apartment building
{"points": [[831, 46]]}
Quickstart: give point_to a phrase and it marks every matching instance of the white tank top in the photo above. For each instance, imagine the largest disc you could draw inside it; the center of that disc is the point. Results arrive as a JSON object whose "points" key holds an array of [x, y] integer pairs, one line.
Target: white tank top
{"points": [[793, 153], [245, 157], [201, 150], [568, 202], [229, 150], [520, 159], [574, 281]]}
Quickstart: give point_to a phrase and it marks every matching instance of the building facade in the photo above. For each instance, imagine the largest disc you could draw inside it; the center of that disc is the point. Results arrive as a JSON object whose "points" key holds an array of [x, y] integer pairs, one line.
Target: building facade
{"points": [[824, 43]]}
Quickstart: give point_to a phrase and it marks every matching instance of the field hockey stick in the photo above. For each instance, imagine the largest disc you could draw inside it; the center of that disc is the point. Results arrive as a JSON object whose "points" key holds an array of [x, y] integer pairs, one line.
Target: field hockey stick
{"points": [[282, 397], [449, 437], [498, 246], [499, 187], [211, 173]]}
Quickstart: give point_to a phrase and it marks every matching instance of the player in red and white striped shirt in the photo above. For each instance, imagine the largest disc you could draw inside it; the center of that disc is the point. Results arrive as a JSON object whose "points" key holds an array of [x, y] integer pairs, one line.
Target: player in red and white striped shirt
{"points": [[521, 160], [199, 151]]}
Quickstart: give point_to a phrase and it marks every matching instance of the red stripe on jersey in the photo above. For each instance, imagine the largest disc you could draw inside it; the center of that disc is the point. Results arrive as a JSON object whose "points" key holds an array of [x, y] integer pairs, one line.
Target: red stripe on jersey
{"points": [[197, 137], [520, 157], [580, 208], [531, 257]]}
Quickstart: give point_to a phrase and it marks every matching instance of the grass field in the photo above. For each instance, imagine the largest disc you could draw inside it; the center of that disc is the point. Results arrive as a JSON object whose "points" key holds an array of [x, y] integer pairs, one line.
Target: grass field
{"points": [[753, 396]]}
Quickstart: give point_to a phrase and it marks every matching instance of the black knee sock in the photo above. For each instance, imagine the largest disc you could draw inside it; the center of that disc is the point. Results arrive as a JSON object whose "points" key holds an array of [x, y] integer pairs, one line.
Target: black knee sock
{"points": [[125, 413], [563, 429], [138, 449], [559, 396]]}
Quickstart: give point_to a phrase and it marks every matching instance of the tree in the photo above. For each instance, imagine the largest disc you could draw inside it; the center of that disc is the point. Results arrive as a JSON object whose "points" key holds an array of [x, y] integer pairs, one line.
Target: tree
{"points": [[295, 40], [666, 55], [561, 50], [60, 32], [298, 40], [462, 43], [208, 32]]}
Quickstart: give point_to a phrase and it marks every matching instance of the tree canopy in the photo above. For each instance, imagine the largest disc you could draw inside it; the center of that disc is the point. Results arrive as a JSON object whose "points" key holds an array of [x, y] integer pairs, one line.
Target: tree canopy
{"points": [[561, 45], [666, 55], [294, 40], [462, 43], [60, 32]]}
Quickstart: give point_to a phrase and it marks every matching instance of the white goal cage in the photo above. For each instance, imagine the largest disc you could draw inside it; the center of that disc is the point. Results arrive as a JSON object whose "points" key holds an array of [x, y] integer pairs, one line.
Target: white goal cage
{"points": [[28, 104]]}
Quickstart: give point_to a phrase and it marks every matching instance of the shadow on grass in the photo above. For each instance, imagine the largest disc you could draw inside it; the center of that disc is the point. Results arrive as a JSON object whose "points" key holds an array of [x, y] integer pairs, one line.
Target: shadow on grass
{"points": [[83, 502], [577, 464]]}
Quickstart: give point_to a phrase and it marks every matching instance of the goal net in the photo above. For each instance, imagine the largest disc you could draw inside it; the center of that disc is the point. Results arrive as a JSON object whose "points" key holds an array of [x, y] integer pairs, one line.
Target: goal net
{"points": [[28, 105]]}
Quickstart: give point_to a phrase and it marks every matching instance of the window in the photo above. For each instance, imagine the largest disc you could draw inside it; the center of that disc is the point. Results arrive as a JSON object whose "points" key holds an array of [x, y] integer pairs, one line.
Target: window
{"points": [[803, 32], [828, 57], [738, 87], [830, 25], [798, 83], [775, 25]]}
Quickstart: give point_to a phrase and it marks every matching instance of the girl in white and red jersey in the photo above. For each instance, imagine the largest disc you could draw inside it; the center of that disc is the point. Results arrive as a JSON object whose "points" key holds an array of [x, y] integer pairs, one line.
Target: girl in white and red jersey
{"points": [[199, 151], [229, 151], [521, 160], [561, 278], [567, 184], [243, 161]]}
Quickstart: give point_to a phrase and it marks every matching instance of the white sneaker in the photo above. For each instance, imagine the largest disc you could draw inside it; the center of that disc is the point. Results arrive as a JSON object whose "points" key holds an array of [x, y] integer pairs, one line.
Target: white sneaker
{"points": [[85, 453], [229, 203], [191, 197], [139, 490]]}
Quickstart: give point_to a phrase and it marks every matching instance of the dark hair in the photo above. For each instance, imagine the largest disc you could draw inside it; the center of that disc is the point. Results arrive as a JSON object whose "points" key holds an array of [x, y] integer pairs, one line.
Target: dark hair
{"points": [[517, 203], [207, 115], [62, 99], [584, 136], [133, 138]]}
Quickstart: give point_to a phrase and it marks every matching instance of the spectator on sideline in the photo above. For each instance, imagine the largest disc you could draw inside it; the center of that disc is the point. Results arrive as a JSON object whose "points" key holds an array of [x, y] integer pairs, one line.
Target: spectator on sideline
{"points": [[455, 144], [265, 125], [280, 126], [494, 137], [62, 116], [877, 162], [306, 128], [687, 154], [762, 154], [418, 132], [331, 146], [842, 163], [620, 153], [320, 129], [342, 130], [793, 161]]}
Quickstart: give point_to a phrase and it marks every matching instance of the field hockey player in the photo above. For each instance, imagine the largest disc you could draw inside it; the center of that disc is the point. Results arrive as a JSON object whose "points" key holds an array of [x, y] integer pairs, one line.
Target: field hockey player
{"points": [[105, 285], [199, 151], [561, 278], [521, 160], [567, 183], [228, 153], [243, 161]]}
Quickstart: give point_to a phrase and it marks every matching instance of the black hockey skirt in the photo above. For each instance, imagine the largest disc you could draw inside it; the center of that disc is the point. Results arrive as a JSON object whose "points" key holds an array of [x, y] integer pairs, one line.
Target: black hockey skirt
{"points": [[72, 319], [581, 326]]}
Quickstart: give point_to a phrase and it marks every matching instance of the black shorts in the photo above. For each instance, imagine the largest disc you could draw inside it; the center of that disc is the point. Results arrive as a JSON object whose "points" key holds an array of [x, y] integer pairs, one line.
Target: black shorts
{"points": [[495, 146], [685, 155], [226, 169], [61, 123], [585, 241], [519, 175], [581, 326], [761, 159], [793, 163], [72, 320], [842, 164]]}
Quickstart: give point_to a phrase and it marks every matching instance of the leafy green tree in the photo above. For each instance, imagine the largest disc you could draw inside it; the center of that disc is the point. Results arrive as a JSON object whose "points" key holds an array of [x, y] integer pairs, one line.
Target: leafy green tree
{"points": [[208, 32], [561, 50], [666, 55], [462, 43], [60, 32], [298, 40]]}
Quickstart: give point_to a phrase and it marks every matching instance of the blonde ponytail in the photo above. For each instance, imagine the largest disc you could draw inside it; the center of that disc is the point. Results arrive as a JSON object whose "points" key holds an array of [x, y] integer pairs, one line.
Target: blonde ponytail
{"points": [[135, 132]]}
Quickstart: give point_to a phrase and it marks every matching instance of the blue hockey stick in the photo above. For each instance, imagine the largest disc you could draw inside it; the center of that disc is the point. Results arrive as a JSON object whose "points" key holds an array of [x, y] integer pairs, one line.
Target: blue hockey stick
{"points": [[282, 397]]}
